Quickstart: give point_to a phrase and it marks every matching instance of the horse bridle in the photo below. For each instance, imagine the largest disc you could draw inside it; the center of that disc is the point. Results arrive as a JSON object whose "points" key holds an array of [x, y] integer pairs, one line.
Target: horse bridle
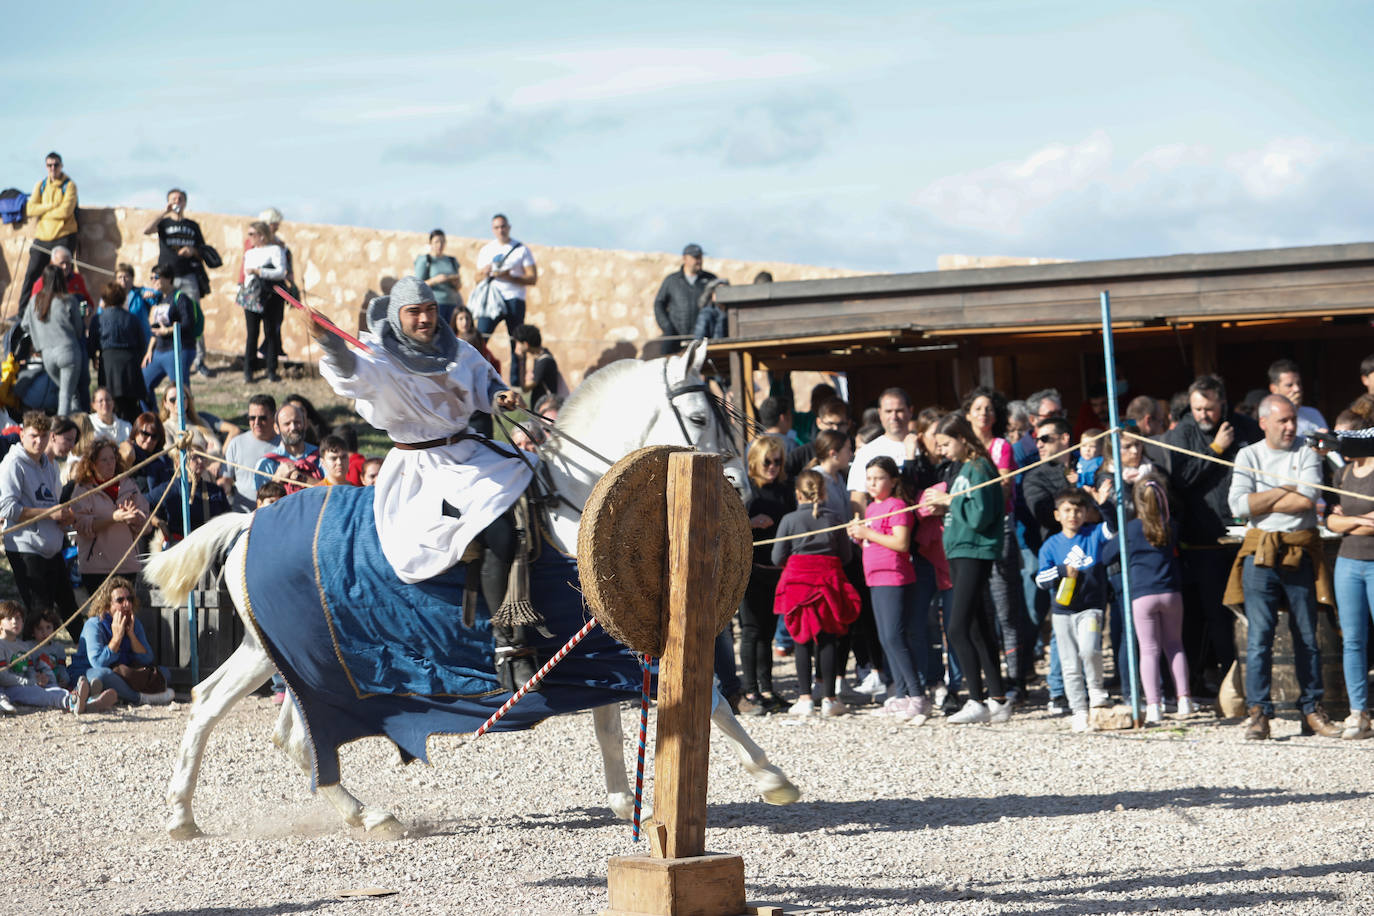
{"points": [[543, 476], [685, 387]]}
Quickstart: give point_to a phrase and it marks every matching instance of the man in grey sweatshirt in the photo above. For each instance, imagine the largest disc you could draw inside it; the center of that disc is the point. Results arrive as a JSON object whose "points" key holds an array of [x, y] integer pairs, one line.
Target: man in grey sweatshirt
{"points": [[29, 486], [1273, 487]]}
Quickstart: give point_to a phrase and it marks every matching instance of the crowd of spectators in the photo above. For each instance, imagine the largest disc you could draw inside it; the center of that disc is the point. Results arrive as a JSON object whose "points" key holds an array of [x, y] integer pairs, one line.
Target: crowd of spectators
{"points": [[969, 559], [123, 346], [115, 518], [950, 552]]}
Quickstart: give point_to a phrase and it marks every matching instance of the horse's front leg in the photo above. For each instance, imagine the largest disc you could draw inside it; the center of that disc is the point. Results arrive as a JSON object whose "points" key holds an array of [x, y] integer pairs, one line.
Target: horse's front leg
{"points": [[245, 671], [772, 783], [289, 735], [611, 738]]}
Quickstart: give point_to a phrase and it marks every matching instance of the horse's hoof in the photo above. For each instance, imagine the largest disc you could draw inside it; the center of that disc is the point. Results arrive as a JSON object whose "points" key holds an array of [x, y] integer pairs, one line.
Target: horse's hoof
{"points": [[183, 830], [622, 805], [384, 827], [784, 794]]}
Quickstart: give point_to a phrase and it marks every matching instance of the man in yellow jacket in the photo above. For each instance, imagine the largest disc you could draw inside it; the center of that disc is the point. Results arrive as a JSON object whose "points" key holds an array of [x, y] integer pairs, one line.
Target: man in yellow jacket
{"points": [[53, 205]]}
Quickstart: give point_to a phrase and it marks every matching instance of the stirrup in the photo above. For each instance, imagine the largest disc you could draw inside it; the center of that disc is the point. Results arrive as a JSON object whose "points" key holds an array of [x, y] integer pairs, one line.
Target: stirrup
{"points": [[515, 665]]}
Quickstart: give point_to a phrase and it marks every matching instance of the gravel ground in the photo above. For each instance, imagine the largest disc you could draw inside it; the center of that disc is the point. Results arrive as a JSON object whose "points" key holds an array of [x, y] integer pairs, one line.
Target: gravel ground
{"points": [[1024, 817]]}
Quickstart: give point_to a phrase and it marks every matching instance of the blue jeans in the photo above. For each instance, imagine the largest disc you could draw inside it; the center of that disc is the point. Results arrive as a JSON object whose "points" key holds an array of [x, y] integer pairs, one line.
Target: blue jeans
{"points": [[514, 318], [163, 365], [1265, 589], [724, 663], [781, 638], [111, 681], [1354, 605], [901, 630]]}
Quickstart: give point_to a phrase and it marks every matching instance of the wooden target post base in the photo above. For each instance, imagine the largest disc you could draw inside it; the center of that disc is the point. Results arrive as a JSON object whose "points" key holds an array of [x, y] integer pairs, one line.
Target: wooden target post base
{"points": [[709, 885], [679, 878]]}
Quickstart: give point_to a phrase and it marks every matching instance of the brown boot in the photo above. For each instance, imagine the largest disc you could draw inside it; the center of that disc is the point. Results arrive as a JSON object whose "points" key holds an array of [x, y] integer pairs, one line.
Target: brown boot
{"points": [[1317, 722], [1258, 729]]}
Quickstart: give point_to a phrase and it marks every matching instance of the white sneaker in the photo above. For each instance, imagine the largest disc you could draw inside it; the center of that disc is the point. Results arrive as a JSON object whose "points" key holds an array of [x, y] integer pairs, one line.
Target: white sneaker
{"points": [[6, 706], [999, 710], [1058, 706], [1099, 699], [80, 696], [871, 686], [941, 694], [803, 707], [156, 699], [1185, 706], [972, 712], [1080, 722], [1152, 714], [831, 707], [894, 707]]}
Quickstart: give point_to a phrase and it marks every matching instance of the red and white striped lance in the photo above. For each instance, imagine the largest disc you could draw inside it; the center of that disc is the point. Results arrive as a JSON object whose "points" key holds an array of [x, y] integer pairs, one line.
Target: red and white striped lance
{"points": [[643, 733], [538, 676]]}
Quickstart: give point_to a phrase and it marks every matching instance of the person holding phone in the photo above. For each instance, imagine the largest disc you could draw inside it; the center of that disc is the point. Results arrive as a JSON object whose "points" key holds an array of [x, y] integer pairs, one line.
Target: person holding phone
{"points": [[179, 253], [511, 268]]}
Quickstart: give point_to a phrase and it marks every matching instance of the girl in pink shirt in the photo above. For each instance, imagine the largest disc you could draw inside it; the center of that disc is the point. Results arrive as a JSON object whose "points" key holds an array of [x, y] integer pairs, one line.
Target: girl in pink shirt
{"points": [[891, 580]]}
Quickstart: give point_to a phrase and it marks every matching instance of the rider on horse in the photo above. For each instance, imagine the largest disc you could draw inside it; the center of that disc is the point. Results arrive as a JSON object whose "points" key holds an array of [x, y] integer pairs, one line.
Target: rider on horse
{"points": [[443, 487]]}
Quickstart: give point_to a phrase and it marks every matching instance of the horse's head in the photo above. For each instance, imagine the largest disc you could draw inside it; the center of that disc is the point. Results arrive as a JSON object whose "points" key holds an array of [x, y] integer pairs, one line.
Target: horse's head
{"points": [[701, 420], [630, 404], [692, 416]]}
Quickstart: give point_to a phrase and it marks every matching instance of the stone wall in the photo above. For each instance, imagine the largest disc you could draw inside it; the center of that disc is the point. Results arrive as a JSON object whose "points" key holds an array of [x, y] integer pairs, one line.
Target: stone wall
{"points": [[592, 305]]}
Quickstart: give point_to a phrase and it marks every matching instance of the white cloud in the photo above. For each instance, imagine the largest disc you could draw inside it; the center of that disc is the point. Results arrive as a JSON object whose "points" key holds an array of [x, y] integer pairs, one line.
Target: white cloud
{"points": [[1269, 172], [778, 131], [495, 130], [593, 75], [1081, 200], [1005, 197]]}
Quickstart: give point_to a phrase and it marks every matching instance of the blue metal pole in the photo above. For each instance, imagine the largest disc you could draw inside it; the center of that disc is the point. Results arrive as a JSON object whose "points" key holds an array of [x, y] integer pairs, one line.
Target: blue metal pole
{"points": [[1109, 352], [185, 497]]}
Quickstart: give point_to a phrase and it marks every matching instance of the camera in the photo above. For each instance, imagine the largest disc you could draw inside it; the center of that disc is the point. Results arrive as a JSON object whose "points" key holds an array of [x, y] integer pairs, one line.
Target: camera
{"points": [[1324, 440], [1356, 444]]}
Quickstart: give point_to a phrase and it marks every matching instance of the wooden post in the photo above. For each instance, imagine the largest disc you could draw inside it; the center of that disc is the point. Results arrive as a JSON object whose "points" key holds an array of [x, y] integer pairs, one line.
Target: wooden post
{"points": [[684, 672], [1204, 348], [679, 877]]}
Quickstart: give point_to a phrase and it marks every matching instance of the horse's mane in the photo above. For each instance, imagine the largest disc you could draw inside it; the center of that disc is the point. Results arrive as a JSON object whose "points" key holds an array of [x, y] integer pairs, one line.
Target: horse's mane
{"points": [[592, 386]]}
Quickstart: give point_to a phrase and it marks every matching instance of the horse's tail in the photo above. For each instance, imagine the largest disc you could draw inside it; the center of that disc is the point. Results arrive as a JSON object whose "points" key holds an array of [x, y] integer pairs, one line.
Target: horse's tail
{"points": [[175, 572]]}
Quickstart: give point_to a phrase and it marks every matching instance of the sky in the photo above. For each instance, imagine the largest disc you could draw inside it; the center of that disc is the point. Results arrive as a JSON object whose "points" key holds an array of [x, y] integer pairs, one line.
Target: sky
{"points": [[870, 136]]}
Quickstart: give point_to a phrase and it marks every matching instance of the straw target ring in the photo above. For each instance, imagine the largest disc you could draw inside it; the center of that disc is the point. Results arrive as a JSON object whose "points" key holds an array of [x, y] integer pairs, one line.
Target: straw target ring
{"points": [[622, 550]]}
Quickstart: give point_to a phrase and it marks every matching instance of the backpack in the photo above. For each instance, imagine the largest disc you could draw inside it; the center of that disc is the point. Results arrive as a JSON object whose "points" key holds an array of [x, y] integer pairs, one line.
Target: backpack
{"points": [[197, 316], [12, 204]]}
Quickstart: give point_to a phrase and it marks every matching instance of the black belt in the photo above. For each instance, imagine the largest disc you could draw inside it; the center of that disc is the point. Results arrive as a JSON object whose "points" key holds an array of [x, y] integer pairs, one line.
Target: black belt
{"points": [[434, 443], [454, 439]]}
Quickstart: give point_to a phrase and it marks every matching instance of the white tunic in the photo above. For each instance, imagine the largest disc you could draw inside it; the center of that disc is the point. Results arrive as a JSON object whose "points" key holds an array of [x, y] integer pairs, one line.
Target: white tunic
{"points": [[417, 538]]}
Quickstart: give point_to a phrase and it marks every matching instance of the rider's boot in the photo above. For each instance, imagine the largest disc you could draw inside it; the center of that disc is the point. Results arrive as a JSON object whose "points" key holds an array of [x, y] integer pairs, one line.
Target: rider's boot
{"points": [[515, 660]]}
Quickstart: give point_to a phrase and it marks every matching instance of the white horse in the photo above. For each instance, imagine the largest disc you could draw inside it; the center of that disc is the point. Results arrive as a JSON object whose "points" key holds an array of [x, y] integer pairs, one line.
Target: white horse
{"points": [[662, 401]]}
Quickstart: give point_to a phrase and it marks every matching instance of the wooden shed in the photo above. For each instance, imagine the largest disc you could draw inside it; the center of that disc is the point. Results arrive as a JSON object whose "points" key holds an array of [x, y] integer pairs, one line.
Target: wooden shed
{"points": [[1023, 328]]}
